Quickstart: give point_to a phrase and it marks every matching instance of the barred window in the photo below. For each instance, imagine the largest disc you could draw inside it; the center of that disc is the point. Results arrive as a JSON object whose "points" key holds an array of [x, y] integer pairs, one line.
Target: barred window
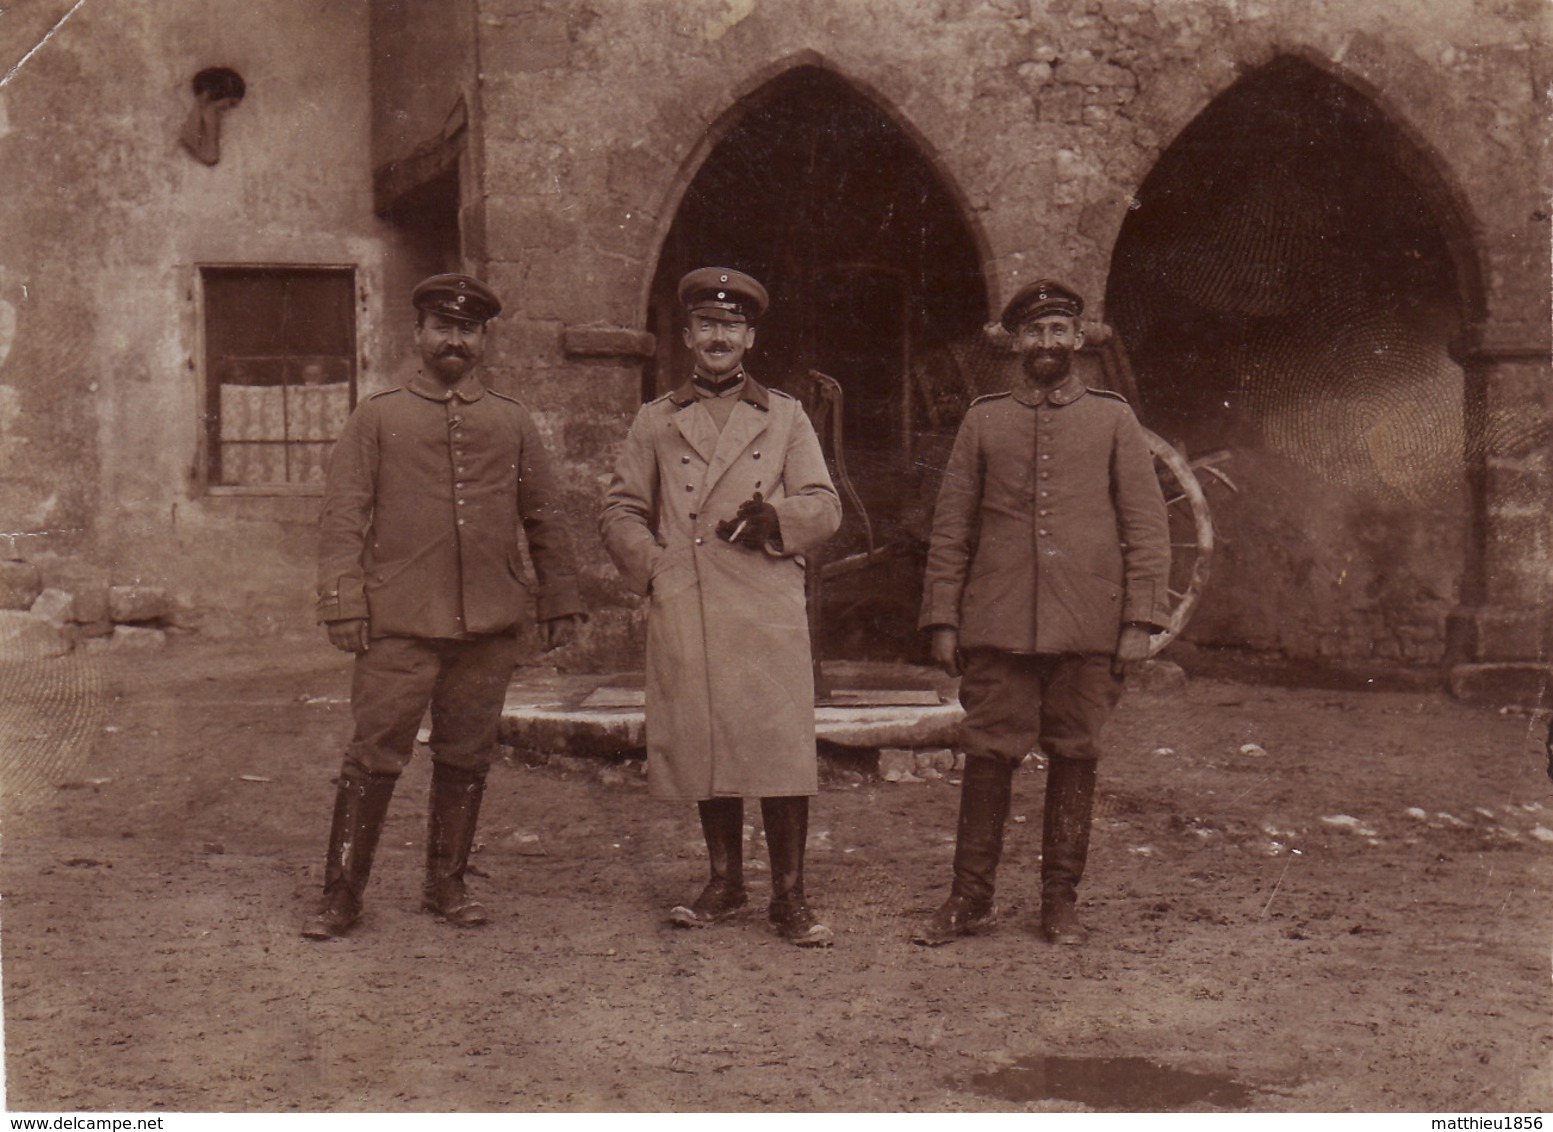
{"points": [[280, 372]]}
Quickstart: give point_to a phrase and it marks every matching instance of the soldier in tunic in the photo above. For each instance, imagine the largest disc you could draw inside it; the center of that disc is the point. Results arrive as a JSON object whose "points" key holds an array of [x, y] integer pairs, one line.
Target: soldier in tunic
{"points": [[1046, 574], [419, 577], [718, 492]]}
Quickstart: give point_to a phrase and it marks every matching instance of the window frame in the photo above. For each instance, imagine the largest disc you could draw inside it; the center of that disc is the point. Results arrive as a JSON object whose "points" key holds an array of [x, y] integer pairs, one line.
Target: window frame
{"points": [[208, 415]]}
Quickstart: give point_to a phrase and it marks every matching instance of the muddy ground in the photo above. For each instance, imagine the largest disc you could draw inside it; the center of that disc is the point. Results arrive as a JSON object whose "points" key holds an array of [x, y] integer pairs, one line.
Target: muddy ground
{"points": [[1356, 919]]}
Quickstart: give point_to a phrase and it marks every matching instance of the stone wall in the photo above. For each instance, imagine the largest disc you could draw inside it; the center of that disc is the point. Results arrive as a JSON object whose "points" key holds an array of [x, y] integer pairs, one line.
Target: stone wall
{"points": [[1043, 119], [574, 130], [106, 221]]}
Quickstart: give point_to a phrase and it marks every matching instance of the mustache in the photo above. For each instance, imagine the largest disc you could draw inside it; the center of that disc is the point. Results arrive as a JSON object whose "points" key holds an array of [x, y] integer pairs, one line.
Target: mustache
{"points": [[453, 352]]}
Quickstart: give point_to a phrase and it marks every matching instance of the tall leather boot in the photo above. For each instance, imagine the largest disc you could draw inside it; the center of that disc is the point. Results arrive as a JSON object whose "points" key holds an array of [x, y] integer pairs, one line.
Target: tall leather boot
{"points": [[1070, 803], [360, 805], [986, 790], [722, 824], [450, 834], [787, 835]]}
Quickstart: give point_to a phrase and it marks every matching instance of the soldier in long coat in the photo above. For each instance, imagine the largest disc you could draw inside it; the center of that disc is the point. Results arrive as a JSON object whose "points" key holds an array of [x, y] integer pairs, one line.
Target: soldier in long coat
{"points": [[718, 492], [432, 487], [1046, 574]]}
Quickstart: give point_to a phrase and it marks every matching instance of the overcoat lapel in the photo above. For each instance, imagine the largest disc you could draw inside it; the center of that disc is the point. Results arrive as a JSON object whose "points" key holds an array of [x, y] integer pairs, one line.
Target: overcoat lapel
{"points": [[695, 424], [745, 423]]}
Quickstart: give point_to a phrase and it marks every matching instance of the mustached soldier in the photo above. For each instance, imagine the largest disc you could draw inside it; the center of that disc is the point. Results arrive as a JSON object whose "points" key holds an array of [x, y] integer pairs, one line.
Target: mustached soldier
{"points": [[429, 488], [718, 491]]}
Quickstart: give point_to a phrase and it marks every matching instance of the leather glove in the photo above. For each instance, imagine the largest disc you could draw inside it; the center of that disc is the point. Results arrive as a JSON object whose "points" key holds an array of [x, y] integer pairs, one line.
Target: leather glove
{"points": [[946, 649], [754, 525], [558, 632]]}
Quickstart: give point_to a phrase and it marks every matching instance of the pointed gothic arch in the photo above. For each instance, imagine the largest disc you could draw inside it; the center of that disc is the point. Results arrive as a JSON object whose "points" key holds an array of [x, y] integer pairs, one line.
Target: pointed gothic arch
{"points": [[1289, 285], [816, 188]]}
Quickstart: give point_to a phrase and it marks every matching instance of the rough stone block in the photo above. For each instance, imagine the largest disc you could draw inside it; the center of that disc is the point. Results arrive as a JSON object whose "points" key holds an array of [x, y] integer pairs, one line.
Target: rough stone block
{"points": [[896, 761], [25, 637], [54, 606], [128, 638], [90, 605], [1523, 685], [1156, 676], [934, 758], [607, 342], [138, 603], [20, 584]]}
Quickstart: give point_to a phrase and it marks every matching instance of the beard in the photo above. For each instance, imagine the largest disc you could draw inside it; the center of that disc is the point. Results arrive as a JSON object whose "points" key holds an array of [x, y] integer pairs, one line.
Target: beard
{"points": [[1047, 367], [452, 363]]}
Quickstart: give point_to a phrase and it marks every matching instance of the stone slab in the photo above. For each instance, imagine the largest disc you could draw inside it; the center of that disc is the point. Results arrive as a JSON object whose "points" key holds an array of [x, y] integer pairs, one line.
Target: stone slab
{"points": [[613, 725]]}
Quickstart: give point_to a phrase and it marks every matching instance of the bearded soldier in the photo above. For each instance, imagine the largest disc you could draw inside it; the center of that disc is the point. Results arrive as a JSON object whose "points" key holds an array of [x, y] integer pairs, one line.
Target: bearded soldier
{"points": [[1046, 574]]}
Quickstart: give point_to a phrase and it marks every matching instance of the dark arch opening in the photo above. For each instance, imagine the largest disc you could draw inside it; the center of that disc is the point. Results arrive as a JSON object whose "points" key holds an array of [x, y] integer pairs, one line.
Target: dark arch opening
{"points": [[1286, 288], [871, 267]]}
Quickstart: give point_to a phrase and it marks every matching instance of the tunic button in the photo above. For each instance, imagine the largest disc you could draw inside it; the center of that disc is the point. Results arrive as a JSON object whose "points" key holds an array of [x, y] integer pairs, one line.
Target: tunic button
{"points": [[1045, 513], [1046, 455], [684, 459], [460, 502], [1043, 532], [461, 522], [757, 455], [699, 540], [692, 515], [690, 487]]}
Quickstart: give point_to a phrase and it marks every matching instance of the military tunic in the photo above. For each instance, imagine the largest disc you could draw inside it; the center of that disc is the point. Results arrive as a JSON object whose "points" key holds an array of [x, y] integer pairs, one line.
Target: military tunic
{"points": [[730, 693], [1049, 533], [427, 490], [1050, 528]]}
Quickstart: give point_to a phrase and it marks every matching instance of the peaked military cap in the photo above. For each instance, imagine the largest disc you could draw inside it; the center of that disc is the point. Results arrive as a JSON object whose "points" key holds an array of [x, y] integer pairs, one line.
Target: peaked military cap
{"points": [[456, 296], [713, 289], [1039, 299]]}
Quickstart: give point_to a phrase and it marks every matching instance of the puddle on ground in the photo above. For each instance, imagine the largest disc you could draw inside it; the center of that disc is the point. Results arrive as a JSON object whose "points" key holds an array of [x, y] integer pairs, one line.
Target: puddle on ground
{"points": [[1116, 1084]]}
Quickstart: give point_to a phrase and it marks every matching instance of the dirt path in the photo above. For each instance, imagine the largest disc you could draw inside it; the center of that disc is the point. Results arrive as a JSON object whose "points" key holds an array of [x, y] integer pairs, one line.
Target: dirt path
{"points": [[1279, 920]]}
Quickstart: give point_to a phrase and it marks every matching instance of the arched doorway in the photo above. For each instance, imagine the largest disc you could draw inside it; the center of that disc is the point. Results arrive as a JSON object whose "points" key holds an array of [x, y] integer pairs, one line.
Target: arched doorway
{"points": [[1286, 289], [871, 268]]}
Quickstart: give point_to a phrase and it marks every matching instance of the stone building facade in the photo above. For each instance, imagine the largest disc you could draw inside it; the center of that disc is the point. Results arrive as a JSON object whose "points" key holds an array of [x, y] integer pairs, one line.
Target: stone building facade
{"points": [[1314, 237]]}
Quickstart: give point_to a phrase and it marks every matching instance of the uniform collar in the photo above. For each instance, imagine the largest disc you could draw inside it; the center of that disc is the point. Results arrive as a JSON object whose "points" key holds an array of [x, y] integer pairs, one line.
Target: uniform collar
{"points": [[469, 389], [752, 392], [1070, 390]]}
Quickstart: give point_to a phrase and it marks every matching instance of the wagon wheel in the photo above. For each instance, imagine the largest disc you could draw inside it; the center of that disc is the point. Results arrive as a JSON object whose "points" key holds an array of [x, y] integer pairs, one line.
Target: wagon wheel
{"points": [[1191, 535]]}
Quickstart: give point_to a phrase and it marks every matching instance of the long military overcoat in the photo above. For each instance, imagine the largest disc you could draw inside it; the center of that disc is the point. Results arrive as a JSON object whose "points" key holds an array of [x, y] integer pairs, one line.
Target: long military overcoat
{"points": [[730, 688], [1050, 529]]}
